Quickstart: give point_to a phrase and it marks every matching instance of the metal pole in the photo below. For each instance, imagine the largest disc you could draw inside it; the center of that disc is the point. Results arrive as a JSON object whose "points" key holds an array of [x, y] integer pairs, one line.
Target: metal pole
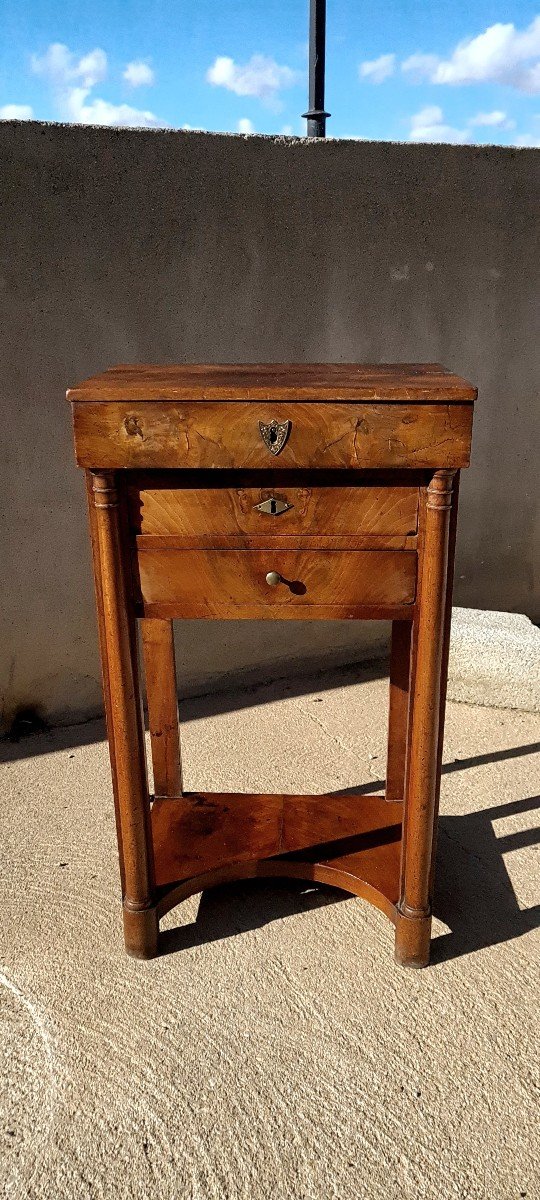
{"points": [[316, 115]]}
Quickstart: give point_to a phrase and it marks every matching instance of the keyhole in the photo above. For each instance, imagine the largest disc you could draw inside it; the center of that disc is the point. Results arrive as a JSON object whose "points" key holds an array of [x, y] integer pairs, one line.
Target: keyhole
{"points": [[273, 506], [273, 435]]}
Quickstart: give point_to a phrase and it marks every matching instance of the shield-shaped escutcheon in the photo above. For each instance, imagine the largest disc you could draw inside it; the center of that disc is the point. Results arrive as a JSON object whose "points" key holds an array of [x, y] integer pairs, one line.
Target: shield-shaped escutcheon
{"points": [[274, 434]]}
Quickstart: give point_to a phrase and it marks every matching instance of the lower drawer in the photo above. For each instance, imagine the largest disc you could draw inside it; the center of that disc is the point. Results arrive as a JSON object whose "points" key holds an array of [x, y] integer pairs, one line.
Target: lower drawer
{"points": [[233, 583]]}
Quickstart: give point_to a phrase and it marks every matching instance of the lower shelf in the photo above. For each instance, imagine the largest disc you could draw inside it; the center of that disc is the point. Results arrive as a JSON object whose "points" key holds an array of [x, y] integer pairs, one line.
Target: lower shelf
{"points": [[203, 839]]}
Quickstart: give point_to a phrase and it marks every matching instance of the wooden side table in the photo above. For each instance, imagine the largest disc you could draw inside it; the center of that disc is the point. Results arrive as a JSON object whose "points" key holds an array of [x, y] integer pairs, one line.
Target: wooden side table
{"points": [[274, 492]]}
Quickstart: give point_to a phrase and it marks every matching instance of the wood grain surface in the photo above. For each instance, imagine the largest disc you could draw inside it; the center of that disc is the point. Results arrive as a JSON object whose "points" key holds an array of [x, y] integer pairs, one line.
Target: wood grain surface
{"points": [[398, 709], [413, 929], [365, 469], [157, 640], [273, 381], [352, 842], [124, 715], [364, 436], [313, 511], [219, 583]]}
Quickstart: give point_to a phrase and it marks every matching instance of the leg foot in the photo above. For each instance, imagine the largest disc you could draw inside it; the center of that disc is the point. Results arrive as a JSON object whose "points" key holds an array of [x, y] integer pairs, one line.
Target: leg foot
{"points": [[413, 938], [141, 929]]}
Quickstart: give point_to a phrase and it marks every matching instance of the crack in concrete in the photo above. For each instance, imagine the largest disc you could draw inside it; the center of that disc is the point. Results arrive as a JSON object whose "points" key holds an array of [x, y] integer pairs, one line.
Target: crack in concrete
{"points": [[334, 738]]}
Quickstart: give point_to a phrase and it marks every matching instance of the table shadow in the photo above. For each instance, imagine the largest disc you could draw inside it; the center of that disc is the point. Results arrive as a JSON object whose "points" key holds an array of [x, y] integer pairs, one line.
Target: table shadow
{"points": [[474, 893]]}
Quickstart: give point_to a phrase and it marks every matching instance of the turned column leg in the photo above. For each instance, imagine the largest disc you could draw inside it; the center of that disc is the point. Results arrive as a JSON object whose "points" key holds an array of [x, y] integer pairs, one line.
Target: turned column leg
{"points": [[398, 710], [124, 719], [162, 701], [413, 926], [445, 653]]}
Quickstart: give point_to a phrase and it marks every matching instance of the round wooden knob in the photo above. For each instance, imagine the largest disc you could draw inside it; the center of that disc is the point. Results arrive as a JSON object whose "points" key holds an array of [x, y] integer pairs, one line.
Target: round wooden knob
{"points": [[273, 578]]}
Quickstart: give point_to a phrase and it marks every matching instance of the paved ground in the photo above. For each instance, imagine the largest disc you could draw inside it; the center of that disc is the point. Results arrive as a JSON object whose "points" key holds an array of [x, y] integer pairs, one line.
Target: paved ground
{"points": [[276, 1051]]}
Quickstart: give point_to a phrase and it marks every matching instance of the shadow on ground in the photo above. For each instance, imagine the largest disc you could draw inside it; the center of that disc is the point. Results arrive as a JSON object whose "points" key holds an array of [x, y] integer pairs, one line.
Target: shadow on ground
{"points": [[474, 894], [30, 736]]}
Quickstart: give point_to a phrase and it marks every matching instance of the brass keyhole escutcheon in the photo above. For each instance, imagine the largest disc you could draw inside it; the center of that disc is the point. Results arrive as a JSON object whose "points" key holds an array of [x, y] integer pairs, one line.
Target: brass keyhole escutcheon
{"points": [[274, 434], [273, 506]]}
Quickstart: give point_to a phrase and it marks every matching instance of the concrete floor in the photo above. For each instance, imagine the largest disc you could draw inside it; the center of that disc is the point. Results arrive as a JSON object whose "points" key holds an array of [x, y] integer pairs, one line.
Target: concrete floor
{"points": [[276, 1051]]}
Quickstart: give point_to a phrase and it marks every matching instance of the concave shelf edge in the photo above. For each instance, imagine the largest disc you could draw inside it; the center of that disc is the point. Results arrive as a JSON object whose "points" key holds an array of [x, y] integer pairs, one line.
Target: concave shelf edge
{"points": [[203, 839]]}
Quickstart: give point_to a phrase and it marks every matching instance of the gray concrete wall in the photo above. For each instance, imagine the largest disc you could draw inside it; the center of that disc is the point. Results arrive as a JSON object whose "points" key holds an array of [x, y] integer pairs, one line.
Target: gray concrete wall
{"points": [[132, 246]]}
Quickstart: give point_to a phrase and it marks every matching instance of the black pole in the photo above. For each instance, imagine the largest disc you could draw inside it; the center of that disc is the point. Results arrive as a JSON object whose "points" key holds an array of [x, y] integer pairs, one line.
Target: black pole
{"points": [[316, 115]]}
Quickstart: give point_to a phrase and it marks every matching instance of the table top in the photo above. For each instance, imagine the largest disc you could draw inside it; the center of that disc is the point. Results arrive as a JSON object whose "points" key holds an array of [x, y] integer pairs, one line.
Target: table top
{"points": [[382, 382]]}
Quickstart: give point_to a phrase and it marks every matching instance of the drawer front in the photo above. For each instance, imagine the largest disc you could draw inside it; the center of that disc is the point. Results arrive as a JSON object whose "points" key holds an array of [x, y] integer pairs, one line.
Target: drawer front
{"points": [[229, 435], [193, 513], [233, 583]]}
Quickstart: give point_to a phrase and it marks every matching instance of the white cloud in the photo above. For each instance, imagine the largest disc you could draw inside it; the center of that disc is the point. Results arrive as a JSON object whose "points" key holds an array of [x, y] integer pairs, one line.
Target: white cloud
{"points": [[501, 54], [261, 76], [60, 67], [287, 131], [139, 74], [496, 120], [72, 80], [102, 112], [245, 125], [429, 125], [525, 140], [420, 66], [16, 112], [379, 69]]}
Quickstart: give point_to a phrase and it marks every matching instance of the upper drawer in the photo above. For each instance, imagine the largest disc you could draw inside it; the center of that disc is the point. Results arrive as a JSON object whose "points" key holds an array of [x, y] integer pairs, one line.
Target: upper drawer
{"points": [[162, 506], [370, 435]]}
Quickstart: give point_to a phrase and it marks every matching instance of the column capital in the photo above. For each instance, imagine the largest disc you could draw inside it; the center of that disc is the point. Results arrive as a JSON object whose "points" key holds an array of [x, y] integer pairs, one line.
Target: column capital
{"points": [[104, 490], [440, 487]]}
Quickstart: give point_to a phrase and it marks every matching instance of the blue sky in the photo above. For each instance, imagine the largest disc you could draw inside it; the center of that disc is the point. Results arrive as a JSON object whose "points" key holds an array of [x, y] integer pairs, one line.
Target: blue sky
{"points": [[402, 69]]}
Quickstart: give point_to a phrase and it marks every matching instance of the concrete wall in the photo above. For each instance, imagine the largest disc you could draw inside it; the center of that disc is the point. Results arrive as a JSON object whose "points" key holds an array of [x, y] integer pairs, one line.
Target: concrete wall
{"points": [[132, 246]]}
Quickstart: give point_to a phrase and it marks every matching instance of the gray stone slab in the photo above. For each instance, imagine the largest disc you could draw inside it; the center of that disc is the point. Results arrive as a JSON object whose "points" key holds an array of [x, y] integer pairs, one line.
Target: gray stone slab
{"points": [[494, 659]]}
